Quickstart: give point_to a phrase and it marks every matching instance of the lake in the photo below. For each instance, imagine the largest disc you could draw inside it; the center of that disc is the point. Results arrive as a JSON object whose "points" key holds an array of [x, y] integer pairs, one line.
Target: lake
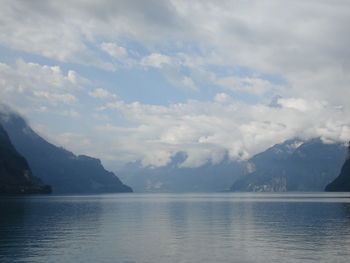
{"points": [[152, 228]]}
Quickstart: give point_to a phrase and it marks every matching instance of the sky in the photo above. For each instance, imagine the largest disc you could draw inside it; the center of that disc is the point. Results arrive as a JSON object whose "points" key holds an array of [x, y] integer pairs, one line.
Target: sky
{"points": [[140, 80]]}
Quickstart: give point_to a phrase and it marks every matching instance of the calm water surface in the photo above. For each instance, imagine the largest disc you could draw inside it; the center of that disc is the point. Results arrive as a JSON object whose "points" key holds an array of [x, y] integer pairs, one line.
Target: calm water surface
{"points": [[128, 228]]}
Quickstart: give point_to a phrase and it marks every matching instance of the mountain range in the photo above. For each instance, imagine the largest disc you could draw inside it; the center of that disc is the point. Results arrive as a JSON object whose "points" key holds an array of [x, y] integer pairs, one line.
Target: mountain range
{"points": [[63, 170], [294, 165], [175, 178]]}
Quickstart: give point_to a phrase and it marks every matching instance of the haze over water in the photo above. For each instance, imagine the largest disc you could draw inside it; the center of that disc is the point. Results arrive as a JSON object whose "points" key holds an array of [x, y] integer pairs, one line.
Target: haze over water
{"points": [[225, 227]]}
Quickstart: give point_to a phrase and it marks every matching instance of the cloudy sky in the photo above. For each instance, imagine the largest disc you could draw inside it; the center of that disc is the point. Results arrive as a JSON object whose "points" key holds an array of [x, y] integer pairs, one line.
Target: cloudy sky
{"points": [[127, 80]]}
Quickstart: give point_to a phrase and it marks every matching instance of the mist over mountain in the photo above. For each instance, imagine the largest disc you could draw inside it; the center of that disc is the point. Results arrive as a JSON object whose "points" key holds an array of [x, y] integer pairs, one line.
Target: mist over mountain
{"points": [[342, 182], [64, 171], [16, 176], [292, 166], [174, 178]]}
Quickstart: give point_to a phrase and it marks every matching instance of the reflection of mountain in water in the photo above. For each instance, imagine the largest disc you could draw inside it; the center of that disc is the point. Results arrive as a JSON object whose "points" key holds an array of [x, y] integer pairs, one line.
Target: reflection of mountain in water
{"points": [[307, 228], [310, 223], [170, 228]]}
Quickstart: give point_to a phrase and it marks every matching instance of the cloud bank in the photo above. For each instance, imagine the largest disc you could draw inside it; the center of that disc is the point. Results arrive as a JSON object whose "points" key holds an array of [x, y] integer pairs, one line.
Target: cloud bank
{"points": [[208, 131], [240, 54]]}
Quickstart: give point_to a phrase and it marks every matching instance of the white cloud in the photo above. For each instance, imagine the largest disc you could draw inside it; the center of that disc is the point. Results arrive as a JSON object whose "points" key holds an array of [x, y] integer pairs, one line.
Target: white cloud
{"points": [[301, 104], [42, 109], [100, 93], [208, 130], [188, 83], [54, 98], [232, 44], [156, 60], [71, 113], [30, 85], [100, 117], [255, 86], [70, 140], [157, 158], [27, 75], [223, 97], [114, 50], [304, 44]]}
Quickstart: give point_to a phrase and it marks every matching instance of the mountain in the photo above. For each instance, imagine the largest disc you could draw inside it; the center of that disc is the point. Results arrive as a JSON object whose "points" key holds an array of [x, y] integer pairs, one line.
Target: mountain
{"points": [[342, 182], [64, 171], [15, 174], [174, 178], [292, 166]]}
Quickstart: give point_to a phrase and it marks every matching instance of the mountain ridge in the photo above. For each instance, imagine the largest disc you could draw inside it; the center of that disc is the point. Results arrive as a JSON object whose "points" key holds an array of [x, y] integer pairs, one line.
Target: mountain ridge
{"points": [[63, 170], [16, 176], [174, 178], [310, 166], [342, 182]]}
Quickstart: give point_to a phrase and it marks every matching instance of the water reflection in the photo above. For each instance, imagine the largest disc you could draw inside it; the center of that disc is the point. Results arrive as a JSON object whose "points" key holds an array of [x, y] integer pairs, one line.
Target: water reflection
{"points": [[38, 227], [176, 228], [308, 232]]}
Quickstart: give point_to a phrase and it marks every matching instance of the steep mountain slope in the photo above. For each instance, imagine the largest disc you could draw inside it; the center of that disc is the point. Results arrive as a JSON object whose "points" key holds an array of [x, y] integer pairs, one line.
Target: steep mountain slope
{"points": [[292, 166], [174, 178], [64, 171], [342, 182], [15, 174]]}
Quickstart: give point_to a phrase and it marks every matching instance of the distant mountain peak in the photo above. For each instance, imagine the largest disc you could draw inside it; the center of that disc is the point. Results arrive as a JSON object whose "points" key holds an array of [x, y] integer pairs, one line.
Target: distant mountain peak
{"points": [[288, 146], [294, 165]]}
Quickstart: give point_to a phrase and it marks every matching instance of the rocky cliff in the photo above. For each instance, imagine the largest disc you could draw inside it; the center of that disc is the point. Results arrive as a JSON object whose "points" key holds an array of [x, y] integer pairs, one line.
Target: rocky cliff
{"points": [[64, 171], [15, 174], [342, 182]]}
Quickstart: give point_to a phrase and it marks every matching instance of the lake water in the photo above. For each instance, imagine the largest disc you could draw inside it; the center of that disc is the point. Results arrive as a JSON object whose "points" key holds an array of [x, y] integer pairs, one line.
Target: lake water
{"points": [[152, 228]]}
